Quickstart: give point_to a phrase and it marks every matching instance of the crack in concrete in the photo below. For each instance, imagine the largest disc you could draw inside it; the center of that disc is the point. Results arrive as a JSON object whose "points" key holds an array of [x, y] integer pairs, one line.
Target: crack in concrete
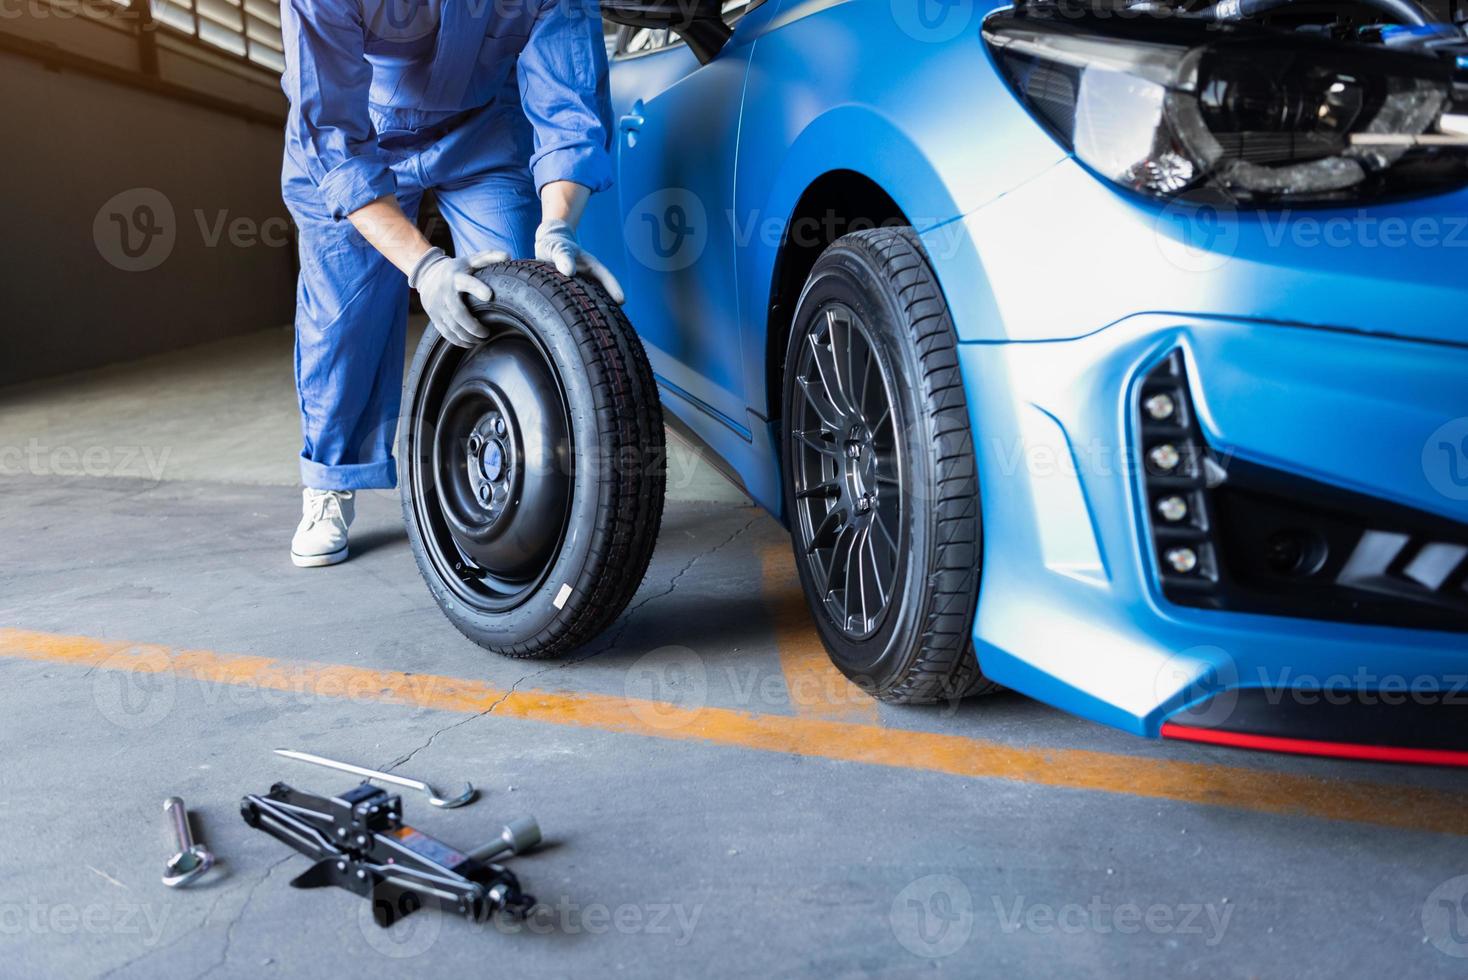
{"points": [[146, 954], [240, 915], [627, 617], [625, 622]]}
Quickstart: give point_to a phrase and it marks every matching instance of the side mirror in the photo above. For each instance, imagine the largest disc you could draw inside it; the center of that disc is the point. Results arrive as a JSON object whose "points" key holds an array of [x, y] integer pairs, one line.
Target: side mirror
{"points": [[699, 22]]}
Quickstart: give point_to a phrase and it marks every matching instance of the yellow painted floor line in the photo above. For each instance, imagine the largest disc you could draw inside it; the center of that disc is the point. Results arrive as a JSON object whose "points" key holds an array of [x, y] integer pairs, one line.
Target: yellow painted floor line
{"points": [[1204, 784], [817, 688]]}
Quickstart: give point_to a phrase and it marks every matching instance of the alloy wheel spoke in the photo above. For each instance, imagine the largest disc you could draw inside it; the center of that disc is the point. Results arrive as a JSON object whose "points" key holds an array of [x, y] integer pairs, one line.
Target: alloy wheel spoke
{"points": [[866, 379], [827, 533], [820, 402], [883, 419], [887, 535], [869, 550], [827, 367], [821, 440], [821, 491], [828, 587]]}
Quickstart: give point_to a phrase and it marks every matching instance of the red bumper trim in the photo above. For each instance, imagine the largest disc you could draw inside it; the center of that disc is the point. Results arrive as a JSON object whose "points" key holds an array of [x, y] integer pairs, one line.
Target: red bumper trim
{"points": [[1305, 746]]}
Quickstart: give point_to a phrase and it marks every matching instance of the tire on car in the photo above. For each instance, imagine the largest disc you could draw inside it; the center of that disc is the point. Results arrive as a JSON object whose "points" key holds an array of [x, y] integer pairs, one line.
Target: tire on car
{"points": [[879, 473], [533, 465]]}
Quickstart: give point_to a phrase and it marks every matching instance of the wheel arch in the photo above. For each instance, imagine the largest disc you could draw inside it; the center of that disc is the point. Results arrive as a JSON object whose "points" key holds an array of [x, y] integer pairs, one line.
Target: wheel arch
{"points": [[834, 204], [850, 167]]}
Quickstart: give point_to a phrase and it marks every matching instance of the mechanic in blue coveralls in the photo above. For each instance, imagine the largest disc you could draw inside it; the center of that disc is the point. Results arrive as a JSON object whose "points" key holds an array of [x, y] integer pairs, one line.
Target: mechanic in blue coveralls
{"points": [[501, 108]]}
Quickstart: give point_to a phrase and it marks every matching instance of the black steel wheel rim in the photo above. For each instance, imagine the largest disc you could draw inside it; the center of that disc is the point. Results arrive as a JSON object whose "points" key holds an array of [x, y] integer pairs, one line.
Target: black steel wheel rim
{"points": [[491, 450], [846, 465]]}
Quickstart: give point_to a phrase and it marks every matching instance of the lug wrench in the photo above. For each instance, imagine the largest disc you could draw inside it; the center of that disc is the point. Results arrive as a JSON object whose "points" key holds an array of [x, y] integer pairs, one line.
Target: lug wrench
{"points": [[467, 796], [192, 860]]}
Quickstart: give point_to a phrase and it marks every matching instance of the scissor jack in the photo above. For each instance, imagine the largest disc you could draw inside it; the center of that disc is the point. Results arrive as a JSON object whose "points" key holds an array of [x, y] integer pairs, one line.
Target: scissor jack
{"points": [[360, 843]]}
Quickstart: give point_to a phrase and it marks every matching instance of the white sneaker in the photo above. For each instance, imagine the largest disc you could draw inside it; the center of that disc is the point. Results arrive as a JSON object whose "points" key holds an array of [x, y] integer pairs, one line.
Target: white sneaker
{"points": [[321, 537]]}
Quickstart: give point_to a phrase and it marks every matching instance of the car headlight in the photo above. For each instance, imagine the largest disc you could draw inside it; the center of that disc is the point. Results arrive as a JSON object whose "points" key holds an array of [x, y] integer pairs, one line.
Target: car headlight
{"points": [[1175, 107]]}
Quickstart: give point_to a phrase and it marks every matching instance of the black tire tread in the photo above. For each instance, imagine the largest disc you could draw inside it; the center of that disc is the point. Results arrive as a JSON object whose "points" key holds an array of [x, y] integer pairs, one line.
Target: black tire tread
{"points": [[629, 424], [943, 666]]}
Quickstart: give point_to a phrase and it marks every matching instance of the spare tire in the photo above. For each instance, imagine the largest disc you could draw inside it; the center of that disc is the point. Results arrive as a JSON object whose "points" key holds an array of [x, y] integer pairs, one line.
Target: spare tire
{"points": [[533, 465]]}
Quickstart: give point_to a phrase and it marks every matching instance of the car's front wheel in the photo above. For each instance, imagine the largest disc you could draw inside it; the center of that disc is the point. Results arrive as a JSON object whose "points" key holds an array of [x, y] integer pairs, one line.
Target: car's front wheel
{"points": [[879, 471]]}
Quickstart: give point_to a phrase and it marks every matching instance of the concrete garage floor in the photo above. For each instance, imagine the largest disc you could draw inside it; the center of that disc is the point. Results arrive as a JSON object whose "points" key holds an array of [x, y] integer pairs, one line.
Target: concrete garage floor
{"points": [[718, 801]]}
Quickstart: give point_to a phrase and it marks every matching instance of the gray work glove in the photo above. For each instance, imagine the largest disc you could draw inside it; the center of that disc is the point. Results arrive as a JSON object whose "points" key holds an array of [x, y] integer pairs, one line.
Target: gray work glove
{"points": [[555, 242], [440, 280]]}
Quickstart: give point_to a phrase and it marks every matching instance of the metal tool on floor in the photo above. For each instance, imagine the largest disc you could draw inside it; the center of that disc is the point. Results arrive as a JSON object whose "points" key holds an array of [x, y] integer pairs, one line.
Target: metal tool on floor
{"points": [[467, 796], [360, 843], [516, 837], [191, 860]]}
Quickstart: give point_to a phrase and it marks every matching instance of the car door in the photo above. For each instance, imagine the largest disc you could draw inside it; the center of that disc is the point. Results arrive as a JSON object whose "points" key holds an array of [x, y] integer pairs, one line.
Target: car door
{"points": [[677, 130]]}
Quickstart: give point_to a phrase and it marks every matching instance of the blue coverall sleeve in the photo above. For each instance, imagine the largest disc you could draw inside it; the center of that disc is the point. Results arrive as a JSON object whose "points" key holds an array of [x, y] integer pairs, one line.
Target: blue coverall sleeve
{"points": [[564, 90], [327, 80]]}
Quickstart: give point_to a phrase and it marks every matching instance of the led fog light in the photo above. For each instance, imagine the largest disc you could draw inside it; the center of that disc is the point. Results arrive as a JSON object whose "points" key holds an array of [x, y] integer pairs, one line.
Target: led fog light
{"points": [[1182, 560], [1172, 508]]}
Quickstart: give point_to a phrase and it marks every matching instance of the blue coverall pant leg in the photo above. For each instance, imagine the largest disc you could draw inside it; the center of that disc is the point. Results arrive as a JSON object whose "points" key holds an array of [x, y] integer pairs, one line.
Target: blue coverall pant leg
{"points": [[352, 304]]}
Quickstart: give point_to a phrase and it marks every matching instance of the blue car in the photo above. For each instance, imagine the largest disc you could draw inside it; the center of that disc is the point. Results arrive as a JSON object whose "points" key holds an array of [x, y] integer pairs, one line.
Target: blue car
{"points": [[1112, 352]]}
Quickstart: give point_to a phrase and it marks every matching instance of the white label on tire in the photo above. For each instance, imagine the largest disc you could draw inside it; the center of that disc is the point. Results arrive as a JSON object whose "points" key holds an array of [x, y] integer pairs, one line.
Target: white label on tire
{"points": [[562, 596]]}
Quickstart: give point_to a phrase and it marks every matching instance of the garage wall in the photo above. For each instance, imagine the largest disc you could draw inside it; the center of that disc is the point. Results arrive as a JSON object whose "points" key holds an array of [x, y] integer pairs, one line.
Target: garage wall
{"points": [[134, 221]]}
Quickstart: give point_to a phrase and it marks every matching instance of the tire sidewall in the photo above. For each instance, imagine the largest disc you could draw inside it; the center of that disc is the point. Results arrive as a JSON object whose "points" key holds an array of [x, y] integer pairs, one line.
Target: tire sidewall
{"points": [[537, 612], [846, 275]]}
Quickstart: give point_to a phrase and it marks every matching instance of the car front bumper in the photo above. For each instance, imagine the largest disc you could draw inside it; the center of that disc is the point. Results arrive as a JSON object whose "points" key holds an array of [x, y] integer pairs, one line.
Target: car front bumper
{"points": [[1070, 610]]}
